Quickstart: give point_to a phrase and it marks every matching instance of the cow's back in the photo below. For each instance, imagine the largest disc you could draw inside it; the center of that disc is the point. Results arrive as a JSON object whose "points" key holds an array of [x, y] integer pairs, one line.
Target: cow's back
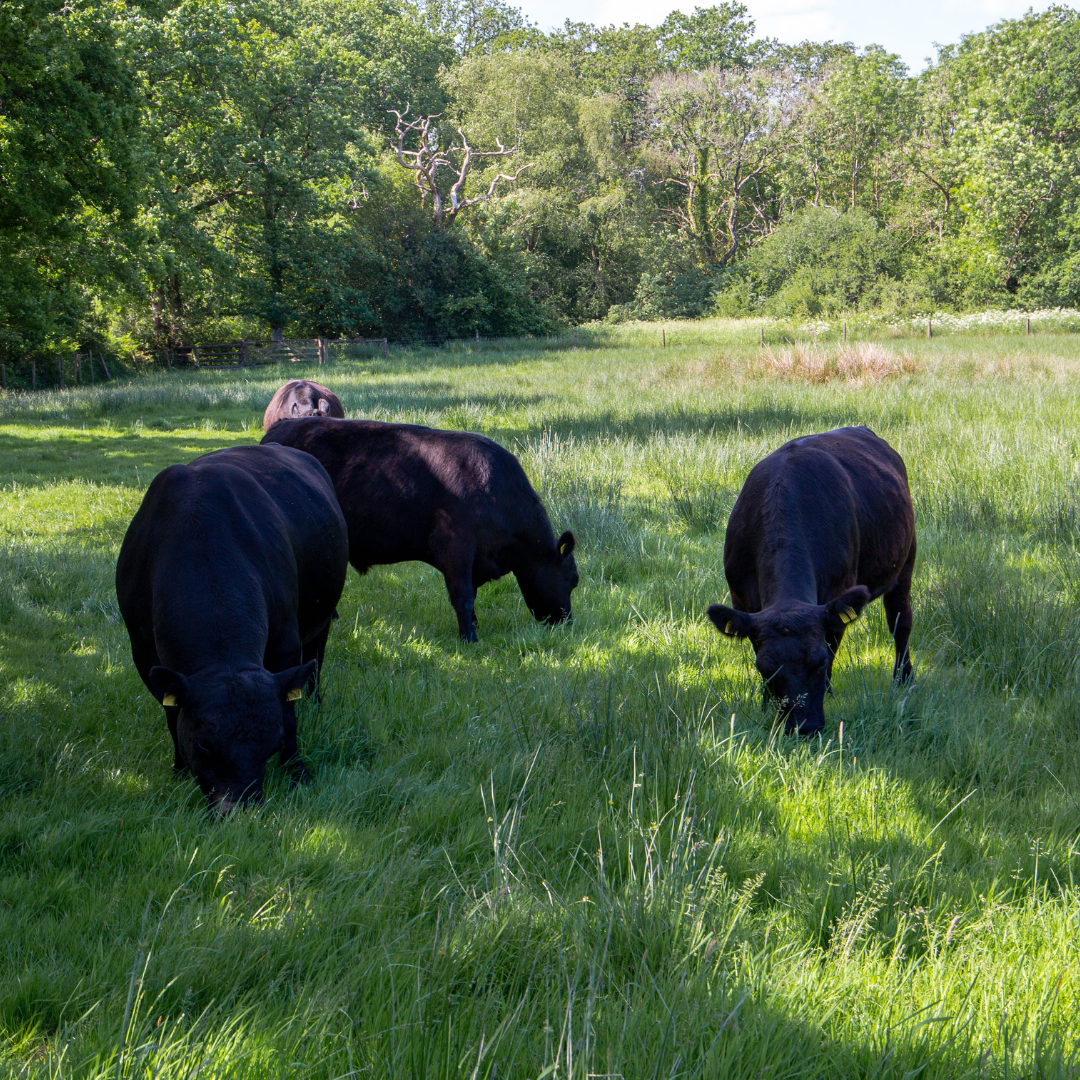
{"points": [[396, 482], [227, 551], [304, 497], [819, 514]]}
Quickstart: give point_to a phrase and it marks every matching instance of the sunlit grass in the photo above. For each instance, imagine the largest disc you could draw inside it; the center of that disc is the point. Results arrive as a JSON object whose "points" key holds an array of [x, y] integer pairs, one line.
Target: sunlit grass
{"points": [[580, 850]]}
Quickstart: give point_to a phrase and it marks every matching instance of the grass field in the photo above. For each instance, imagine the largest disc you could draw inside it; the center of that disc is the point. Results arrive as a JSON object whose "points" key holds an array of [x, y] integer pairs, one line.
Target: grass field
{"points": [[580, 851]]}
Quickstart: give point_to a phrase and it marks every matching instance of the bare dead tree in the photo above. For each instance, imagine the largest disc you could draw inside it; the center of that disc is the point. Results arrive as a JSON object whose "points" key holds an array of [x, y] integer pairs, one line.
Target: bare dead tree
{"points": [[715, 134], [426, 161]]}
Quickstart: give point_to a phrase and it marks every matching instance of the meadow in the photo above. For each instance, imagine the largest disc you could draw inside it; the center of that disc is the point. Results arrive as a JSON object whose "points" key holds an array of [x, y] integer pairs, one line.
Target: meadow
{"points": [[574, 851]]}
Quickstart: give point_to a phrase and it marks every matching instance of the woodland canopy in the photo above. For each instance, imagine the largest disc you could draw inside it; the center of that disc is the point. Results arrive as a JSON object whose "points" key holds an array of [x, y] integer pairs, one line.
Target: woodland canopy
{"points": [[427, 168]]}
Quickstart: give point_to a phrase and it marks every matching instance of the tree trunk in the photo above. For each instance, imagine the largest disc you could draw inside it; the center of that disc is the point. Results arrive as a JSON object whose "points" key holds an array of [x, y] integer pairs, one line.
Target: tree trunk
{"points": [[157, 311], [176, 310], [699, 208]]}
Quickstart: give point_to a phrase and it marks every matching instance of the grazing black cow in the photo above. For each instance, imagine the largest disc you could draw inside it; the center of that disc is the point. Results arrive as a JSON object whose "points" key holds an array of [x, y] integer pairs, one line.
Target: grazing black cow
{"points": [[301, 397], [455, 500], [227, 581], [821, 527]]}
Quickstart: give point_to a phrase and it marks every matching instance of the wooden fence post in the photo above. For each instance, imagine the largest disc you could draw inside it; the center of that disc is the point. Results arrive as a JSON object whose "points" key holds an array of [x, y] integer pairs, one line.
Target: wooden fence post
{"points": [[575, 337], [845, 333], [243, 353], [104, 368], [33, 375], [929, 328], [1029, 324], [761, 333], [3, 376], [663, 338], [385, 349]]}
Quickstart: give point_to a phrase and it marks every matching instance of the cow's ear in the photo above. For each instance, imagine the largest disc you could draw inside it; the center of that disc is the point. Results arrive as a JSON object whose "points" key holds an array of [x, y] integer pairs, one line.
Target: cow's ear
{"points": [[170, 687], [324, 406], [846, 608], [736, 624], [566, 544], [291, 683]]}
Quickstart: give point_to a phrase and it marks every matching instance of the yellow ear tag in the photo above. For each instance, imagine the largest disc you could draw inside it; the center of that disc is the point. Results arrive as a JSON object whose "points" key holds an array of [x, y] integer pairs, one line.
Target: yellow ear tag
{"points": [[294, 695], [730, 628], [848, 615], [169, 699], [562, 550]]}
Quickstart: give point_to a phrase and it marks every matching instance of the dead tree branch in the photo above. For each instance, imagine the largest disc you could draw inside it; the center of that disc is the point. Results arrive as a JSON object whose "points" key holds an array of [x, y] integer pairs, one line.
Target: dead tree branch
{"points": [[426, 161]]}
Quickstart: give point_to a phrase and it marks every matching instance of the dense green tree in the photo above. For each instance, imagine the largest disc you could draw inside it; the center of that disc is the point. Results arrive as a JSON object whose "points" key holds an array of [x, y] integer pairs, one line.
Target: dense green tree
{"points": [[257, 109], [69, 167], [173, 169]]}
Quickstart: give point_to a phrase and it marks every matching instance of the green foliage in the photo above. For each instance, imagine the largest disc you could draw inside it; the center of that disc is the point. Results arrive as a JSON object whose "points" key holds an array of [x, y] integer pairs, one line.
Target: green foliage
{"points": [[685, 295], [822, 260], [168, 171], [69, 168]]}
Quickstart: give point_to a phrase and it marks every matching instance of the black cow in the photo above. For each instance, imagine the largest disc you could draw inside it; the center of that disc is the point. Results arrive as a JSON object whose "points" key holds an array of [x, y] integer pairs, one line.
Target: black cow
{"points": [[301, 397], [821, 527], [455, 500], [227, 581]]}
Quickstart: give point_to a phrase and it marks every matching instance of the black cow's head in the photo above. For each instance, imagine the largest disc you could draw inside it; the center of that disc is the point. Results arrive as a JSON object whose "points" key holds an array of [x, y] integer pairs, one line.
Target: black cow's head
{"points": [[231, 720], [547, 581], [791, 651]]}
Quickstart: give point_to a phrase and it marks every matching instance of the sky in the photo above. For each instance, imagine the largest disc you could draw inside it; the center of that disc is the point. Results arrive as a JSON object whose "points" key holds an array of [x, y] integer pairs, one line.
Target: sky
{"points": [[910, 28]]}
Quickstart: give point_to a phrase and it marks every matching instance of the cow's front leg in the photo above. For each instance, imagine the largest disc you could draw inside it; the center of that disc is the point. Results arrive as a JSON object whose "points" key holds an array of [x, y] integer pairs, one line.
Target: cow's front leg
{"points": [[454, 557], [290, 750], [832, 643], [172, 714], [283, 655], [316, 650], [459, 584]]}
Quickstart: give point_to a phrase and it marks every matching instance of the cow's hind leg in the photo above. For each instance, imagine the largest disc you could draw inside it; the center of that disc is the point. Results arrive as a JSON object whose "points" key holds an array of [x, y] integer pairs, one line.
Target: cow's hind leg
{"points": [[897, 603]]}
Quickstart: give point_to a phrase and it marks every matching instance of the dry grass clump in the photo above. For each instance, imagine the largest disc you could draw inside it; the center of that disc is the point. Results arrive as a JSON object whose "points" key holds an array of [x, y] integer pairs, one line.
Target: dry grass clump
{"points": [[866, 361]]}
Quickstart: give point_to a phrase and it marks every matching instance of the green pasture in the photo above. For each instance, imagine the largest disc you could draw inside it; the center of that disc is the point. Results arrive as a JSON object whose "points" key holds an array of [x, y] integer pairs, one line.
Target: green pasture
{"points": [[580, 851]]}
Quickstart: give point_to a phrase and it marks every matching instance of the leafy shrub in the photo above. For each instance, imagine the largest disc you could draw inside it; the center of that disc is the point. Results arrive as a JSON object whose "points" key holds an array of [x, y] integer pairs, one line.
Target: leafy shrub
{"points": [[686, 294], [821, 260]]}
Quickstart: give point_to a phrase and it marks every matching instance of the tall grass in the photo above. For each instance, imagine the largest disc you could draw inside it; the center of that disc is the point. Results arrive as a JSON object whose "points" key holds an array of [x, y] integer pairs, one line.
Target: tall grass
{"points": [[577, 851]]}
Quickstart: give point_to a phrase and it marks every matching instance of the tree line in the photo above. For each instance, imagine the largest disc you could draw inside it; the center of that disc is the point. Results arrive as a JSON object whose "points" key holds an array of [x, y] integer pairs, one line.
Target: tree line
{"points": [[415, 169]]}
